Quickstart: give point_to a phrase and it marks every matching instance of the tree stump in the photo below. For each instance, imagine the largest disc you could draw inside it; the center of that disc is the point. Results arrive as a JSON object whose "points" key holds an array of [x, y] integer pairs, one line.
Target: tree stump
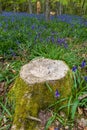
{"points": [[41, 83]]}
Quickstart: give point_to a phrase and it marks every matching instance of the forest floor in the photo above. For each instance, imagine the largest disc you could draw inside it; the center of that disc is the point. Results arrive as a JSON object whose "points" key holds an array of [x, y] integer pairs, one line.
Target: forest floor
{"points": [[26, 37], [80, 123]]}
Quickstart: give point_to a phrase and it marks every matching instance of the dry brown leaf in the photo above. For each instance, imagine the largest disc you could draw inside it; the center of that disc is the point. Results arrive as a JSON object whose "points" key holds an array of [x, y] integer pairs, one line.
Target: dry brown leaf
{"points": [[1, 57], [80, 111], [51, 128], [82, 97], [2, 84], [61, 129], [85, 128], [13, 71], [85, 111]]}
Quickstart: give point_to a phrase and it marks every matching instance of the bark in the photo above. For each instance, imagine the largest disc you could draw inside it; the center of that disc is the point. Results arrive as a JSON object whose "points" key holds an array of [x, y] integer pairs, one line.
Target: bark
{"points": [[29, 6], [47, 13], [83, 3], [0, 7], [38, 7], [57, 8], [60, 9], [14, 7], [83, 10], [23, 7]]}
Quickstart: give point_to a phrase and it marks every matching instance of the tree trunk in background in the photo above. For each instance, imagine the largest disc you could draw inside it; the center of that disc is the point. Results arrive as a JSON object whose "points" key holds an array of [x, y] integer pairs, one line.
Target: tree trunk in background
{"points": [[14, 7], [38, 7], [29, 6], [0, 7], [43, 7], [47, 12], [82, 7], [23, 7], [57, 8], [17, 7], [60, 8]]}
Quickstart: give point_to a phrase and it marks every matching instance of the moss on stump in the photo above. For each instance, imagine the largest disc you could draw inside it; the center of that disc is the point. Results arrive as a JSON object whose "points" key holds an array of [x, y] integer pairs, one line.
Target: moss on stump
{"points": [[35, 90]]}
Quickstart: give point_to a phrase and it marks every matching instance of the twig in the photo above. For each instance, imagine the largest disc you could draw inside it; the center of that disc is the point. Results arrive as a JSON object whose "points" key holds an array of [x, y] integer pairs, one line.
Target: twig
{"points": [[34, 118], [82, 97]]}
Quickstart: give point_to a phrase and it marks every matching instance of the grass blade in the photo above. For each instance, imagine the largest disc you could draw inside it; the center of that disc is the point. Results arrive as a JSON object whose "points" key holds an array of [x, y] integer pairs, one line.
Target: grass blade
{"points": [[74, 108]]}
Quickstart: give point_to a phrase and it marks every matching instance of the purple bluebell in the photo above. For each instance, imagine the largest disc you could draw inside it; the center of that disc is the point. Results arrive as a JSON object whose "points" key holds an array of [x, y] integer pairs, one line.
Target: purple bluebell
{"points": [[56, 129], [74, 68], [12, 52], [33, 27], [61, 41], [17, 42], [85, 78], [0, 24], [57, 94], [65, 45], [52, 39], [83, 64]]}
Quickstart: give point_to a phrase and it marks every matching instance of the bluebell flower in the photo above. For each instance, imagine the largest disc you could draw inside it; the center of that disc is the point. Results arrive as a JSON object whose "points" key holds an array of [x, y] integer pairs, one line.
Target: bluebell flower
{"points": [[85, 78], [12, 52], [65, 45], [33, 27], [83, 64], [0, 24], [17, 42], [61, 41], [56, 129], [57, 94], [74, 68], [52, 39]]}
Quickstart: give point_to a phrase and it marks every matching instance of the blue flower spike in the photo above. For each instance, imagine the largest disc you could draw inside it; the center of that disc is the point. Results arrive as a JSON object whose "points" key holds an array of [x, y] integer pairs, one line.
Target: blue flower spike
{"points": [[83, 64], [57, 94], [74, 68], [56, 129], [85, 78]]}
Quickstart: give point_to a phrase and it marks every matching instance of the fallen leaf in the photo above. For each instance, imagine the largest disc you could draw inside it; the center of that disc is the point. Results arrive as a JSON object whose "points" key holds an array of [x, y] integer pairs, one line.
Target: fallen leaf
{"points": [[82, 97], [51, 128], [2, 84], [85, 111], [80, 111], [85, 128], [13, 71], [1, 57]]}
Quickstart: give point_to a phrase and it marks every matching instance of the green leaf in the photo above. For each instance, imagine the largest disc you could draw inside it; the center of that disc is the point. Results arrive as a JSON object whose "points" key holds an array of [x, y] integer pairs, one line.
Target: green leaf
{"points": [[1, 77], [51, 119], [5, 109], [74, 108], [69, 104], [48, 86]]}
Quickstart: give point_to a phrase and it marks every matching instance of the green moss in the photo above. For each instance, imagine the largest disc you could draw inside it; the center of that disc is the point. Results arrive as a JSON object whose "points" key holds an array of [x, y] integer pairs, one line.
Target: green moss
{"points": [[29, 99]]}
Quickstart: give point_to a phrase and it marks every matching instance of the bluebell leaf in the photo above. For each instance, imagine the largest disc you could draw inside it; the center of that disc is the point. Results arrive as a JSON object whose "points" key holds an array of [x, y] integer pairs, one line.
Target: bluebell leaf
{"points": [[57, 94]]}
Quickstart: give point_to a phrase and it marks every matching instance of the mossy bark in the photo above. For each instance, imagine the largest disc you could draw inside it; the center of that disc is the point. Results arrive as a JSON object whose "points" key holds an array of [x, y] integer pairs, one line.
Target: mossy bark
{"points": [[29, 99]]}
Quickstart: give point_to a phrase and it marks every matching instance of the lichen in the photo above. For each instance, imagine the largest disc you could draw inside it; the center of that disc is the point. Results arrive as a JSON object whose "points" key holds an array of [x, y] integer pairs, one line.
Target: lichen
{"points": [[29, 99]]}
